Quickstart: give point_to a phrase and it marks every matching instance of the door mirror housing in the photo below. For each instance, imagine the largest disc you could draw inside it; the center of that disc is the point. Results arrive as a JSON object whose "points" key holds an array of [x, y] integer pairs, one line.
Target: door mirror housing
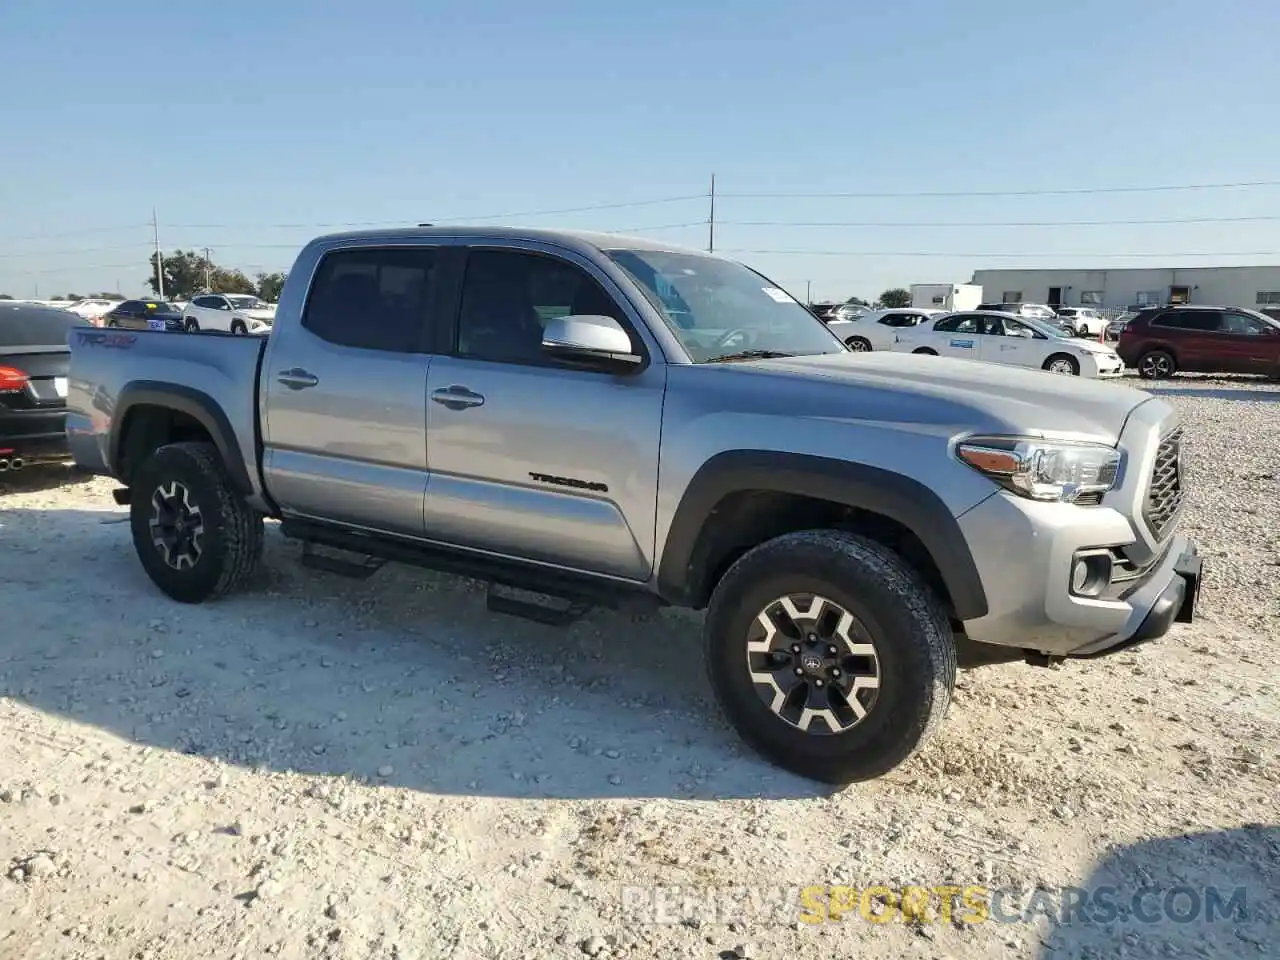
{"points": [[596, 342]]}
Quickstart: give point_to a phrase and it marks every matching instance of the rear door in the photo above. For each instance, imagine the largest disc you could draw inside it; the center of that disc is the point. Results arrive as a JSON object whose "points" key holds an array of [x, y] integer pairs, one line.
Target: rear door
{"points": [[529, 458], [344, 391], [1195, 336]]}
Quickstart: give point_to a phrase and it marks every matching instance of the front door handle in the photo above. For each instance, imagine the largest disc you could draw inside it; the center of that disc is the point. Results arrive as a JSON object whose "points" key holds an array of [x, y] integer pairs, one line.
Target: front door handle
{"points": [[457, 397], [296, 378]]}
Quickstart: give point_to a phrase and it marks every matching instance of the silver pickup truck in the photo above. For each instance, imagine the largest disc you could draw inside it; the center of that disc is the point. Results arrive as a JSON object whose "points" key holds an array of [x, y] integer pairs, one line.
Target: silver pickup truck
{"points": [[584, 419]]}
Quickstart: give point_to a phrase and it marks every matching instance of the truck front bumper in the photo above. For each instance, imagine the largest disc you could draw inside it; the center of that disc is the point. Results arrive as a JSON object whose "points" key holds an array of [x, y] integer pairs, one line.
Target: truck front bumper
{"points": [[1025, 552]]}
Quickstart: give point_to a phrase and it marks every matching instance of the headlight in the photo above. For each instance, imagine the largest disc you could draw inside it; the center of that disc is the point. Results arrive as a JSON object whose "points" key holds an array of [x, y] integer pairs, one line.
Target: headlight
{"points": [[1043, 469]]}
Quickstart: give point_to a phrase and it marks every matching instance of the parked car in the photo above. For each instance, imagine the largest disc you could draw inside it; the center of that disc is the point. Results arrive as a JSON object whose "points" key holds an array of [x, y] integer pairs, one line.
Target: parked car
{"points": [[34, 363], [1197, 339], [92, 309], [1036, 311], [144, 315], [1083, 321], [608, 420], [849, 311], [875, 330], [1114, 328], [1008, 339], [825, 311], [240, 314]]}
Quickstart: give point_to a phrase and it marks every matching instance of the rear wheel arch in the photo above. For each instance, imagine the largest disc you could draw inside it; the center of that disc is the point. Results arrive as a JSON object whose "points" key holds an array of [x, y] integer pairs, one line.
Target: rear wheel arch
{"points": [[150, 415], [742, 498]]}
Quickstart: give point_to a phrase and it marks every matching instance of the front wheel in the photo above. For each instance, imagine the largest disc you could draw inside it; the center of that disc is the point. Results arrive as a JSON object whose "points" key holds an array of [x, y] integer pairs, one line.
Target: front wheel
{"points": [[193, 325], [925, 352], [196, 537], [858, 344], [238, 328], [829, 655], [1061, 363]]}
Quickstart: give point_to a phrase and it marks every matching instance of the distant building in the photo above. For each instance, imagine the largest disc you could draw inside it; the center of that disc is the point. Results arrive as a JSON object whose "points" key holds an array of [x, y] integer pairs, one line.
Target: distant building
{"points": [[1257, 288]]}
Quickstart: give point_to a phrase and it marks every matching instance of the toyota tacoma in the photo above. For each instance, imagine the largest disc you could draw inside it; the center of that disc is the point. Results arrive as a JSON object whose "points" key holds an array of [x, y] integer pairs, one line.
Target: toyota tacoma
{"points": [[585, 419]]}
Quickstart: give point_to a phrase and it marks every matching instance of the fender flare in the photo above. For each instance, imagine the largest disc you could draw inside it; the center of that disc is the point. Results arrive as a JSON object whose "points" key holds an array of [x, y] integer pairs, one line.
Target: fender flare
{"points": [[186, 400], [682, 574]]}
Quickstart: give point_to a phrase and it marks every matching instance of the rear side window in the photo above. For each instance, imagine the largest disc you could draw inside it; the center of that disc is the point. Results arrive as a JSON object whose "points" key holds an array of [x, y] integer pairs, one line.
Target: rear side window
{"points": [[373, 299], [1204, 321], [35, 327]]}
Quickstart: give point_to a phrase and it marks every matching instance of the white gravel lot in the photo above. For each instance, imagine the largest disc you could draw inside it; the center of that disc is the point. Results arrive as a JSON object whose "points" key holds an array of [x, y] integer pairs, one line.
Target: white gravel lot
{"points": [[327, 768]]}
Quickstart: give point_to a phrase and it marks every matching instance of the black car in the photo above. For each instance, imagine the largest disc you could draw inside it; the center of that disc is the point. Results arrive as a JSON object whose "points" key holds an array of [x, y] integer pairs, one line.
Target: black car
{"points": [[141, 314], [34, 362], [824, 311]]}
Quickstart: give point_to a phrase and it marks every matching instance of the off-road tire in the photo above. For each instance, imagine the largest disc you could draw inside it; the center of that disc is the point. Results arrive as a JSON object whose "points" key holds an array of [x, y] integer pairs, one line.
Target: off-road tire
{"points": [[232, 538], [903, 616], [1157, 365]]}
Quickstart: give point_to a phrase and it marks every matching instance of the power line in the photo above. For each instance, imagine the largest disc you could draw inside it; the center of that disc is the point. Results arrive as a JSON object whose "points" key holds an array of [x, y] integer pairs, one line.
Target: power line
{"points": [[990, 223], [76, 233], [989, 255], [1069, 191], [67, 253]]}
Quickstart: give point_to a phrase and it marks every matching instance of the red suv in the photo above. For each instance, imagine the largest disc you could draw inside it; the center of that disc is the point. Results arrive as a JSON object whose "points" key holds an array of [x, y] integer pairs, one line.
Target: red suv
{"points": [[1160, 341]]}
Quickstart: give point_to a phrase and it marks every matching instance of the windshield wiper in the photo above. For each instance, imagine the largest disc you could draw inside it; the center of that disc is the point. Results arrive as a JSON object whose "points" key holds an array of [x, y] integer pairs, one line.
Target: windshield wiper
{"points": [[750, 355]]}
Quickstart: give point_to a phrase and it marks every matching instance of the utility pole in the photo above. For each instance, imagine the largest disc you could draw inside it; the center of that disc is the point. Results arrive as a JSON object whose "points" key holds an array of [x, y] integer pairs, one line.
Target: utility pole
{"points": [[711, 220], [808, 291], [208, 282], [155, 227]]}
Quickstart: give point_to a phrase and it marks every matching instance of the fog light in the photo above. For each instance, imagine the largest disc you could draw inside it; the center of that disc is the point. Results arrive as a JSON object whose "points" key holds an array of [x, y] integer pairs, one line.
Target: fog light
{"points": [[1090, 574]]}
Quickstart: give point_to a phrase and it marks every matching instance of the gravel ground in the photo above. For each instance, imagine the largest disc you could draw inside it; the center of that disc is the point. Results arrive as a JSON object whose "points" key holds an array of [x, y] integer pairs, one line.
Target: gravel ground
{"points": [[326, 768]]}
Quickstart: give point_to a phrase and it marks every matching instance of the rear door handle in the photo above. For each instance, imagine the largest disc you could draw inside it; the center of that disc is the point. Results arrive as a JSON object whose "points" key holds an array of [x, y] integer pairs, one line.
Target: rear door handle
{"points": [[296, 378], [457, 397]]}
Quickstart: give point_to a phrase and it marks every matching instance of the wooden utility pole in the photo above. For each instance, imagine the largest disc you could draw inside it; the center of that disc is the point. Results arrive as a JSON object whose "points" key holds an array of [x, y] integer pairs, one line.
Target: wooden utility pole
{"points": [[711, 220], [155, 227]]}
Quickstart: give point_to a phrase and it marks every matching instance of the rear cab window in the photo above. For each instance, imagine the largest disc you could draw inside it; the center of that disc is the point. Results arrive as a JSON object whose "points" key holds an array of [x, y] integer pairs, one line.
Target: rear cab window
{"points": [[373, 298]]}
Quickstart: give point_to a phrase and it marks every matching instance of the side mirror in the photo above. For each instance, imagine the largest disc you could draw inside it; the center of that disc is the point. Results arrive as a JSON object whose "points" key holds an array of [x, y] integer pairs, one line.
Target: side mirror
{"points": [[590, 341]]}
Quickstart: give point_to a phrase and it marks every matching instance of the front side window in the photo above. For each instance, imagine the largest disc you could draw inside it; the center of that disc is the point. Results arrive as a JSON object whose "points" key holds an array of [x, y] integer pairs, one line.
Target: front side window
{"points": [[372, 299], [246, 303], [509, 295], [719, 309], [1244, 324]]}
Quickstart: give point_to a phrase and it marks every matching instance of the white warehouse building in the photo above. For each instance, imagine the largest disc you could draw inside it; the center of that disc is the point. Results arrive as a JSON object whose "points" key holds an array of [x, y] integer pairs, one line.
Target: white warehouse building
{"points": [[1257, 288]]}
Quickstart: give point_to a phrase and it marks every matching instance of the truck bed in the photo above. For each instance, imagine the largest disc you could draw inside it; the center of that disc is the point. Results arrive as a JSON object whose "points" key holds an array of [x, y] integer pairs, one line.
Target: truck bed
{"points": [[114, 372]]}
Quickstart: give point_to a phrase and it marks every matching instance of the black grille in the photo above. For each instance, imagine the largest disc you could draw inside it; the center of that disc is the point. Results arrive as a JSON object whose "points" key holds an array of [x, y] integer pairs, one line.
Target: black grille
{"points": [[1164, 495]]}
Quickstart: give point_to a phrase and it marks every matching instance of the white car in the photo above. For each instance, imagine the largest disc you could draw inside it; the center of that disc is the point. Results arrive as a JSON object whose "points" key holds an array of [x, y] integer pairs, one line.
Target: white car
{"points": [[92, 309], [236, 313], [1086, 320], [875, 329], [1014, 341]]}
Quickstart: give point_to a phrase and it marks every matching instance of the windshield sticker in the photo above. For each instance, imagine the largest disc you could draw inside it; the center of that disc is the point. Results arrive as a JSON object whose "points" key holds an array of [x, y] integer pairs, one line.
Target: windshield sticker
{"points": [[962, 344], [781, 296]]}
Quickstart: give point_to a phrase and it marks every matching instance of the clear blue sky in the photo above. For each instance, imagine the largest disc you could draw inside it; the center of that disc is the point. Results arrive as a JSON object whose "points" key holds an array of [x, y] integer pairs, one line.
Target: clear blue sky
{"points": [[242, 116]]}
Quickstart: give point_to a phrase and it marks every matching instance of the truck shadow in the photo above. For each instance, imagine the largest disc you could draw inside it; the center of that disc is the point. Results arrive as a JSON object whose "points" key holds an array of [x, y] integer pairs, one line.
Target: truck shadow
{"points": [[1212, 894], [405, 678], [40, 478]]}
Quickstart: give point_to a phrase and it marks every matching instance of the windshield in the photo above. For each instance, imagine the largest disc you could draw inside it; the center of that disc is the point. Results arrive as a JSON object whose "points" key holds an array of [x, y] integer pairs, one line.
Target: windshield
{"points": [[160, 306], [717, 308], [246, 303]]}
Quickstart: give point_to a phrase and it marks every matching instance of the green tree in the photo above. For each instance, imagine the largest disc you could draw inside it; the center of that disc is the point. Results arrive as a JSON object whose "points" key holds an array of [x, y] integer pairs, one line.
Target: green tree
{"points": [[896, 297], [184, 274], [5, 296], [231, 281], [858, 302], [270, 285]]}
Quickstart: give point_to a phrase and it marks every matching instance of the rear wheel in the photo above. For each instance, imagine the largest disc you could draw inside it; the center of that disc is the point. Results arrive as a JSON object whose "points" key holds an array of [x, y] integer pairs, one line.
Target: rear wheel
{"points": [[1156, 365], [829, 655], [1061, 363], [858, 344], [196, 537], [925, 351]]}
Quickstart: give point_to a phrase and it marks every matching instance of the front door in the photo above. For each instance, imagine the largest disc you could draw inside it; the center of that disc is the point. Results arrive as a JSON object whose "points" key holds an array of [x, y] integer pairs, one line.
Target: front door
{"points": [[344, 416], [530, 459], [1055, 297], [1248, 344], [1005, 340]]}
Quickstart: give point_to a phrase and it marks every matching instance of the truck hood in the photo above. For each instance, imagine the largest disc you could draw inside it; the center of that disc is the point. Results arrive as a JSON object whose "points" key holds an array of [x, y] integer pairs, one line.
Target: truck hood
{"points": [[965, 395]]}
